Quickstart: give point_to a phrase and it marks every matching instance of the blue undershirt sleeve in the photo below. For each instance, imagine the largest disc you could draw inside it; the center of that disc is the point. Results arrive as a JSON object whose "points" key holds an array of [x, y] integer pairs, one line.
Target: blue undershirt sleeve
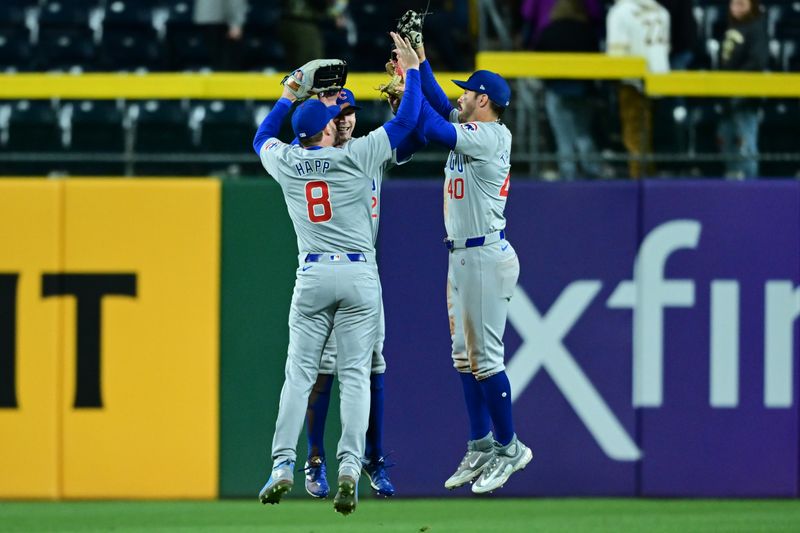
{"points": [[411, 144], [435, 128], [271, 125], [433, 91], [408, 114]]}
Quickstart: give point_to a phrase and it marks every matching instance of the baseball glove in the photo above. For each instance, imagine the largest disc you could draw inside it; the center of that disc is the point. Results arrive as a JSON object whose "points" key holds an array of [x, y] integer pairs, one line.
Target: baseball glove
{"points": [[410, 27], [317, 76], [396, 84]]}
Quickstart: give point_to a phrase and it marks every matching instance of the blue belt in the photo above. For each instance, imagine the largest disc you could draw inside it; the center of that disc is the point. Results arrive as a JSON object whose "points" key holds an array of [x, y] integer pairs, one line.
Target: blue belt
{"points": [[472, 242], [353, 258]]}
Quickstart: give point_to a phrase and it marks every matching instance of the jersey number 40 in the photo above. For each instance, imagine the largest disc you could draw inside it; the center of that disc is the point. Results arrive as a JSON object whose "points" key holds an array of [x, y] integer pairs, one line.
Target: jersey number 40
{"points": [[318, 202], [455, 188]]}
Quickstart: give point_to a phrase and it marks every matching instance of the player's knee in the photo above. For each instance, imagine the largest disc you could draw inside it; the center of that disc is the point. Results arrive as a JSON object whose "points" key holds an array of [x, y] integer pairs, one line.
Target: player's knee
{"points": [[296, 373], [353, 374]]}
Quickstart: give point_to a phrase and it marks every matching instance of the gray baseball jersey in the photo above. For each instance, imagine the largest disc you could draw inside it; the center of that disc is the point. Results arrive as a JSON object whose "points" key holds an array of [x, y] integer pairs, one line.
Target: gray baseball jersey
{"points": [[328, 195], [327, 189], [328, 364], [480, 279], [477, 179]]}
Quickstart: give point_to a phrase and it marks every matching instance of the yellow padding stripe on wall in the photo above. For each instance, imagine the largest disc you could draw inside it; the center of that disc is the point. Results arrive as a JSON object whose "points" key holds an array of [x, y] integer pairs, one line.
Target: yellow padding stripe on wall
{"points": [[176, 86], [237, 86], [578, 66]]}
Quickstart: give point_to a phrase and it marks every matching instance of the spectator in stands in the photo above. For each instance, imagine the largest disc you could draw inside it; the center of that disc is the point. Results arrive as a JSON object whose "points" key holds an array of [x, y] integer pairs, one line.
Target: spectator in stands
{"points": [[536, 16], [302, 25], [568, 102], [744, 47], [448, 38], [683, 32], [222, 21], [638, 28]]}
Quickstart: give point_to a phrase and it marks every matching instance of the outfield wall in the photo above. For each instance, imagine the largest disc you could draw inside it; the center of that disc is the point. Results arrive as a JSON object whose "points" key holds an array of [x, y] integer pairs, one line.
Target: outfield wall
{"points": [[652, 343], [109, 354]]}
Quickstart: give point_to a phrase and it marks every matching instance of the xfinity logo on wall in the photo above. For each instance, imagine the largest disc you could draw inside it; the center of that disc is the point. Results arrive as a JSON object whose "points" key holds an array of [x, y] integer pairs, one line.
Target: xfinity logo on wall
{"points": [[649, 295]]}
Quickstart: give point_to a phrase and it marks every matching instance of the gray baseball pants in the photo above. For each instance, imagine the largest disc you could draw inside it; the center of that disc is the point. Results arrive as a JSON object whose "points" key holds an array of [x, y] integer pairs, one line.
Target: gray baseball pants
{"points": [[341, 297]]}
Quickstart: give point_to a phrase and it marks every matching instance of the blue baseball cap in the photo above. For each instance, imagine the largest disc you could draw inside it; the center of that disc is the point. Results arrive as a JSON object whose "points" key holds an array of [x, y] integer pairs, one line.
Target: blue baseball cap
{"points": [[489, 83], [346, 99], [311, 117]]}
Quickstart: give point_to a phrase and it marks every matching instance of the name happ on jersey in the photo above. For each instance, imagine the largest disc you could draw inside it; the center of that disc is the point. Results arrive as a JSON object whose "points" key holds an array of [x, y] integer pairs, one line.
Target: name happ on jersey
{"points": [[317, 166]]}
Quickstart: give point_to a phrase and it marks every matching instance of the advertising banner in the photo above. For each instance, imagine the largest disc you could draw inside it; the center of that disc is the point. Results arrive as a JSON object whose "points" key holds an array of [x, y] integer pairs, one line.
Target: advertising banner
{"points": [[568, 356], [30, 422], [652, 342], [139, 394], [109, 338], [722, 281]]}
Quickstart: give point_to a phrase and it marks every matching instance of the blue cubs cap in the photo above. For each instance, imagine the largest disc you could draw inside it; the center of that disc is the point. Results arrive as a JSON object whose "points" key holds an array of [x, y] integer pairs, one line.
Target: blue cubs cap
{"points": [[488, 83], [311, 116], [346, 99]]}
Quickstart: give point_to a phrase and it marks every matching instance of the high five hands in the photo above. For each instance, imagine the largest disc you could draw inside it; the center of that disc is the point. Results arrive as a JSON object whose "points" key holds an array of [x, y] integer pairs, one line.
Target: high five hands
{"points": [[406, 56]]}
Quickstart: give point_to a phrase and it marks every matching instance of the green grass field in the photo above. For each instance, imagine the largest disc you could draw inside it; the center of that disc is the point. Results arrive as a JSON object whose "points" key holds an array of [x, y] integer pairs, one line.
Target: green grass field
{"points": [[485, 515]]}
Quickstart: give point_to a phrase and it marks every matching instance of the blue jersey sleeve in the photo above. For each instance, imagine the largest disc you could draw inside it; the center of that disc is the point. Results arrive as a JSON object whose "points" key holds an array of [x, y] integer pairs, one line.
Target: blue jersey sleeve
{"points": [[411, 144], [271, 124], [433, 91], [408, 113], [435, 128]]}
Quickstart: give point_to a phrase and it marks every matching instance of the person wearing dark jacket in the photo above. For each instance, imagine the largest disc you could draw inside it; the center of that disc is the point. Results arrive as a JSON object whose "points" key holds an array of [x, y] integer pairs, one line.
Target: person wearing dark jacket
{"points": [[745, 48], [302, 28], [568, 102], [222, 22], [683, 32]]}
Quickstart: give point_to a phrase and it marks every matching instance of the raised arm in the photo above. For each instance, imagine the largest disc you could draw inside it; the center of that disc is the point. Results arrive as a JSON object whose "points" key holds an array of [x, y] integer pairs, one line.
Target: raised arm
{"points": [[433, 92], [411, 144], [271, 124], [410, 27], [408, 113], [414, 142], [435, 128]]}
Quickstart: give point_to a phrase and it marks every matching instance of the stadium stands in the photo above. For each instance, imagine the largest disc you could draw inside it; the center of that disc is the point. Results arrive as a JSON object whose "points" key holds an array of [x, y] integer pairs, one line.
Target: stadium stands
{"points": [[92, 34], [34, 125], [160, 35]]}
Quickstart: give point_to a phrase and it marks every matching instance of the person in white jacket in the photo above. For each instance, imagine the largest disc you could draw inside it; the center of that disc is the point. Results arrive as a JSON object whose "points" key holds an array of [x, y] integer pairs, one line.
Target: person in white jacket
{"points": [[638, 28]]}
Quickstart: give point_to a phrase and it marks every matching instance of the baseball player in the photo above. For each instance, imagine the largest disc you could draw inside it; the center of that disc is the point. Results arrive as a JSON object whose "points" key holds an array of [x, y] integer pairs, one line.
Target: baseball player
{"points": [[327, 193], [483, 266], [374, 464]]}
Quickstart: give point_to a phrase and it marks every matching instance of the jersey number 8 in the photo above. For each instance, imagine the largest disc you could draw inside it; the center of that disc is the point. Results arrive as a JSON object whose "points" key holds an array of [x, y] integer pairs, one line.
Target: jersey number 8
{"points": [[318, 201]]}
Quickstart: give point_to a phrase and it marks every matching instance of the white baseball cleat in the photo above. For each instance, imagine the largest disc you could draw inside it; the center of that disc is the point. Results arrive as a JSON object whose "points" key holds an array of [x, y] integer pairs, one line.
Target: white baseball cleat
{"points": [[507, 460], [279, 483], [479, 453]]}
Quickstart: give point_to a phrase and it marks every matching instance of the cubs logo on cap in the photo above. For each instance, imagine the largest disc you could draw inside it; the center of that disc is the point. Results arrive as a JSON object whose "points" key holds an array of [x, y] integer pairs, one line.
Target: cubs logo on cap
{"points": [[346, 99], [489, 83]]}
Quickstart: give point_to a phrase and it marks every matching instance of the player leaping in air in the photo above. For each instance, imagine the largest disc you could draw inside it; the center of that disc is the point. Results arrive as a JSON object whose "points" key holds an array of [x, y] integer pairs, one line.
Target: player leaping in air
{"points": [[483, 266], [374, 464], [328, 196]]}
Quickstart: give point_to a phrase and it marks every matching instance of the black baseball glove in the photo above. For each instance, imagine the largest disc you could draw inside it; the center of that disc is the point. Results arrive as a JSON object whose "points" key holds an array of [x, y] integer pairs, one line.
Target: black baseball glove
{"points": [[317, 76], [410, 27]]}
